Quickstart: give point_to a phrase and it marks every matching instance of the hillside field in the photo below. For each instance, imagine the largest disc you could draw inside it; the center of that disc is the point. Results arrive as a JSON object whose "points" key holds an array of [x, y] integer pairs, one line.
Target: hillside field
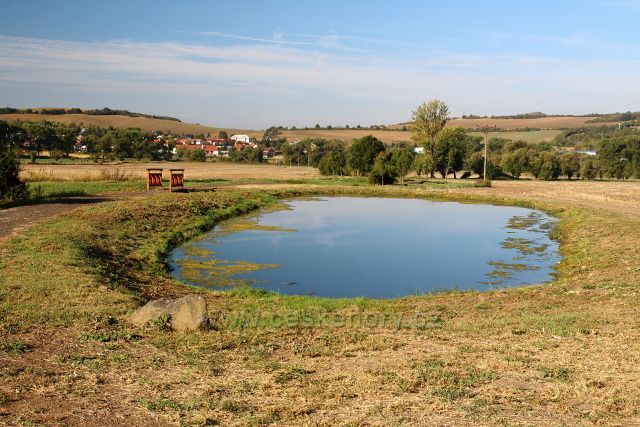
{"points": [[527, 136], [193, 171], [549, 126], [144, 123]]}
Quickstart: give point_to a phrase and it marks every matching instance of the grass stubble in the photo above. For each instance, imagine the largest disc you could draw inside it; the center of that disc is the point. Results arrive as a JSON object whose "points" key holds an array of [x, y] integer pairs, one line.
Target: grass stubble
{"points": [[563, 353]]}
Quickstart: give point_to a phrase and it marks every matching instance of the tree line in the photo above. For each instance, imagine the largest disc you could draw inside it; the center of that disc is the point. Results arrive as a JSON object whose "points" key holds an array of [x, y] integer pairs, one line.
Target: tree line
{"points": [[94, 112], [449, 151], [59, 139]]}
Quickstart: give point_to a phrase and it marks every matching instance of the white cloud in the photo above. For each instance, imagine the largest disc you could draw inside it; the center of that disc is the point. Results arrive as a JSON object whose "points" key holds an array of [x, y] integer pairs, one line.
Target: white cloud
{"points": [[257, 83]]}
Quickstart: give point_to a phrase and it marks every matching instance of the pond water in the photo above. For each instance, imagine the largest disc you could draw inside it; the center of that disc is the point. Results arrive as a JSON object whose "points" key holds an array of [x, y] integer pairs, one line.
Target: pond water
{"points": [[373, 247]]}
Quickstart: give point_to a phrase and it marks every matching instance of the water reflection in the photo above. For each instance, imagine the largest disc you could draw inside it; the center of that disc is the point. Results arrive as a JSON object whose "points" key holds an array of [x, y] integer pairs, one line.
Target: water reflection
{"points": [[374, 247]]}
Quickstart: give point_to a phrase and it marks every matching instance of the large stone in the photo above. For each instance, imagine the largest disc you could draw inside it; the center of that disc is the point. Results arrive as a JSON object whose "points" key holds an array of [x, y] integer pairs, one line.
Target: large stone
{"points": [[188, 313], [151, 311]]}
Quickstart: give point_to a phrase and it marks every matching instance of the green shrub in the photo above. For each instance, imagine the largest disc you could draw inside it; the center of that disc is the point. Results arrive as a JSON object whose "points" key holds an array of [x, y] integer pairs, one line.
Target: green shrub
{"points": [[482, 183], [11, 188]]}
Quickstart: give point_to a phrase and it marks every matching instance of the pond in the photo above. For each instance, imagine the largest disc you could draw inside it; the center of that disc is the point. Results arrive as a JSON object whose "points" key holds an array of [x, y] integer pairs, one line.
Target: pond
{"points": [[373, 247]]}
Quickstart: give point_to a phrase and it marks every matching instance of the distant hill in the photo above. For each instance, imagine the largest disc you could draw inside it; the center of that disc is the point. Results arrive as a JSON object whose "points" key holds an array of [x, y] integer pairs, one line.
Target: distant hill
{"points": [[125, 119], [144, 122], [92, 112], [400, 132]]}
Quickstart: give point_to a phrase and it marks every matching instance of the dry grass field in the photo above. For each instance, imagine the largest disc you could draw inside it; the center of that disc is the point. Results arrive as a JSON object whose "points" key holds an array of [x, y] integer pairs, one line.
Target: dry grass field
{"points": [[193, 170], [564, 353], [144, 123], [542, 123]]}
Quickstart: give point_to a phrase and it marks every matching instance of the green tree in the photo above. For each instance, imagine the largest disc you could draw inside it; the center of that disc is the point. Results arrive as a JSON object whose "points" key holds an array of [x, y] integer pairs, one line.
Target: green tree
{"points": [[223, 134], [362, 154], [254, 155], [449, 150], [182, 152], [620, 156], [197, 155], [382, 172], [333, 163], [272, 133], [422, 164], [11, 188], [515, 162], [589, 168], [12, 135], [41, 136], [65, 138], [475, 164], [569, 164], [428, 120], [545, 166], [402, 160]]}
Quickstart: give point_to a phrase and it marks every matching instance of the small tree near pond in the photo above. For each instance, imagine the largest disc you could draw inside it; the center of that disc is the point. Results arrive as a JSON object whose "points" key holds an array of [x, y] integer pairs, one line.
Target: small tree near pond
{"points": [[362, 154]]}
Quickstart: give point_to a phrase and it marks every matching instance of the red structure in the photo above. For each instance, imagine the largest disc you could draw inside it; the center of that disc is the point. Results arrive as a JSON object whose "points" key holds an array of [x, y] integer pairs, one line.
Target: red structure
{"points": [[177, 179], [154, 178]]}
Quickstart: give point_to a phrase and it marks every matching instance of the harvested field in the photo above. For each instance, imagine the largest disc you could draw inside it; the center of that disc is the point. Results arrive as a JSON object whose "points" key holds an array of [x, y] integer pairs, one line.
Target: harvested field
{"points": [[542, 123], [144, 123], [193, 170]]}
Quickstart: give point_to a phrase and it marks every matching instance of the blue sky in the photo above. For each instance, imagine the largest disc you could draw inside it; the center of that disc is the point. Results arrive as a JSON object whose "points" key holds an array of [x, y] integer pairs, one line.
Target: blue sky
{"points": [[252, 64]]}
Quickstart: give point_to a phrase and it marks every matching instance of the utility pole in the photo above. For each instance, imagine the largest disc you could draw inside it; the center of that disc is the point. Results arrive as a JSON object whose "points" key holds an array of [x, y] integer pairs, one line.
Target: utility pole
{"points": [[486, 129]]}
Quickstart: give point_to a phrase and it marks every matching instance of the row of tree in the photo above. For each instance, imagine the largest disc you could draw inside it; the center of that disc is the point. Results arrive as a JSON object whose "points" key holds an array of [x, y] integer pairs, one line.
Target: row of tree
{"points": [[448, 151]]}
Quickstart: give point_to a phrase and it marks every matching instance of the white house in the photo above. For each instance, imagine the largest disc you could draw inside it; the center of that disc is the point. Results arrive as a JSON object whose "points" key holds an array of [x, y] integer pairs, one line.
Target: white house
{"points": [[587, 152], [418, 150], [241, 138]]}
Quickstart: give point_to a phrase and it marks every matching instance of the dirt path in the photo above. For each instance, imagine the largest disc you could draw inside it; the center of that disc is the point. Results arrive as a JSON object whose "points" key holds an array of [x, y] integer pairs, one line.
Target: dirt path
{"points": [[14, 220]]}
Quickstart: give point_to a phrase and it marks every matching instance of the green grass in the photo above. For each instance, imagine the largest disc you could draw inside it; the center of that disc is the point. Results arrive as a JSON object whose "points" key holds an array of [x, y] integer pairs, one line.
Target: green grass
{"points": [[46, 190], [14, 346], [58, 189], [61, 161]]}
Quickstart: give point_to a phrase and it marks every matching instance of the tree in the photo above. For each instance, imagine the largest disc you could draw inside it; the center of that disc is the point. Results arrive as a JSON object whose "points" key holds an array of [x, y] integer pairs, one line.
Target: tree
{"points": [[422, 164], [515, 162], [362, 154], [271, 133], [428, 120], [475, 163], [402, 160], [589, 169], [11, 135], [382, 172], [448, 152], [254, 155], [333, 163], [569, 164], [182, 152], [11, 188], [620, 156], [223, 134], [40, 136], [197, 155], [545, 166]]}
